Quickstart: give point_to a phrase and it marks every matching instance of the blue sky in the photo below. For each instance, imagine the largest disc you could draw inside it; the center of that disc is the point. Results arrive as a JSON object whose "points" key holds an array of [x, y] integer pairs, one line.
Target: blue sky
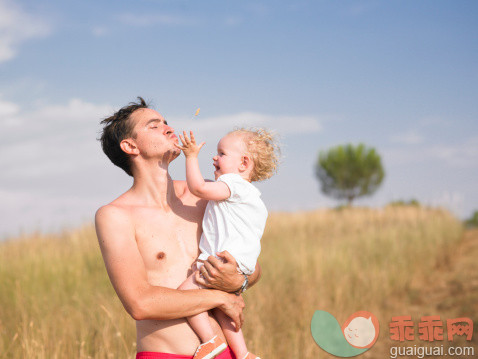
{"points": [[400, 76]]}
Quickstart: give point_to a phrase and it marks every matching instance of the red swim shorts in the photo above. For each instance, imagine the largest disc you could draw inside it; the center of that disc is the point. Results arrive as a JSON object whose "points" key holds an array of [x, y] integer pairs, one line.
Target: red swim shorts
{"points": [[226, 354]]}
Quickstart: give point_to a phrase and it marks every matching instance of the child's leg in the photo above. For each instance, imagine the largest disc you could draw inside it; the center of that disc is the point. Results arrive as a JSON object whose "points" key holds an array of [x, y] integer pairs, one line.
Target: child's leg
{"points": [[234, 339], [199, 322]]}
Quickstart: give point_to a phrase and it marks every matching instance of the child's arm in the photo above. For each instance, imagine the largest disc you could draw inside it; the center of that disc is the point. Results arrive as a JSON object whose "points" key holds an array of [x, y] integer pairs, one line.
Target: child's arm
{"points": [[215, 191]]}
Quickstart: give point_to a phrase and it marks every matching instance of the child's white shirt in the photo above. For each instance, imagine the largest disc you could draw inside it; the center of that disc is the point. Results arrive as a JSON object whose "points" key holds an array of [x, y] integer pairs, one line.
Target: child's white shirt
{"points": [[235, 224]]}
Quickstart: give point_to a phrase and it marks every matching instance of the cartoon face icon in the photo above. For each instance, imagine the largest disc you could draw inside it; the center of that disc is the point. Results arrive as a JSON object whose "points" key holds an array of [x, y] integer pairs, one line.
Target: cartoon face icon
{"points": [[361, 330]]}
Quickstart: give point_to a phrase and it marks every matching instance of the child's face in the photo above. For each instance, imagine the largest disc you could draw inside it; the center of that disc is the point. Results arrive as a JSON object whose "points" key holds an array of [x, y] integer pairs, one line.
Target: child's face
{"points": [[230, 152]]}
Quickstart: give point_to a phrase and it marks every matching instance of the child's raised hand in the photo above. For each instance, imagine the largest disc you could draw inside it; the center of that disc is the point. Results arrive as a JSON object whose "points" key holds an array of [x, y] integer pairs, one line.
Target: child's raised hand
{"points": [[189, 146]]}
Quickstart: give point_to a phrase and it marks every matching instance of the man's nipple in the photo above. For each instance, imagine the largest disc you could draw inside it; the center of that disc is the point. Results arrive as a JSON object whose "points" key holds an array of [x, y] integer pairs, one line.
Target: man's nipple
{"points": [[161, 255]]}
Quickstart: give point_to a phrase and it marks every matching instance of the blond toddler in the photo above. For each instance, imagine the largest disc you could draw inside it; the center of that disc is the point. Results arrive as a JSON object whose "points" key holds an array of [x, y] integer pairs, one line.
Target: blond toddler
{"points": [[234, 219]]}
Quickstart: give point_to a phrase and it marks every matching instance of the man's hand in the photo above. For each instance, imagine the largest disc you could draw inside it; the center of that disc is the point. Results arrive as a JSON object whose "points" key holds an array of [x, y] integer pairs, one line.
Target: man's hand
{"points": [[189, 146], [220, 273], [233, 307]]}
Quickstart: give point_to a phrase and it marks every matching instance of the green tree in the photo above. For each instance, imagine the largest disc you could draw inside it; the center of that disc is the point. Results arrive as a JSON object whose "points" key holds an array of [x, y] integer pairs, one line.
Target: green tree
{"points": [[473, 220], [348, 172]]}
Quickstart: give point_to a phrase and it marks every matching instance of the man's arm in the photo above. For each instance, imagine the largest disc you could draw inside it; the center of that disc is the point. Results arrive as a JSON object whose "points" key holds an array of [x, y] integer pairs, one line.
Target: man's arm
{"points": [[127, 273], [222, 274]]}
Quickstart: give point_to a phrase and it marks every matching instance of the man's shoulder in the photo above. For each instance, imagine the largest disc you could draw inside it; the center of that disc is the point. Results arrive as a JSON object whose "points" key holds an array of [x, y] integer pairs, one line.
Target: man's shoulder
{"points": [[112, 212], [187, 198], [110, 208], [181, 189], [120, 206], [113, 223], [180, 185]]}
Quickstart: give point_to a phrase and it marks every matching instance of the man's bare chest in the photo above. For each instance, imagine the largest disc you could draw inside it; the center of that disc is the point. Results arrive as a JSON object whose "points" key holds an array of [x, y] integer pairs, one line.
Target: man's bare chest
{"points": [[168, 244]]}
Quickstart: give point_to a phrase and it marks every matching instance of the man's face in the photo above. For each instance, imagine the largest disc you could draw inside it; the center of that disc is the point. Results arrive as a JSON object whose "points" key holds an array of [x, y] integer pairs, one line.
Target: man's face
{"points": [[152, 135]]}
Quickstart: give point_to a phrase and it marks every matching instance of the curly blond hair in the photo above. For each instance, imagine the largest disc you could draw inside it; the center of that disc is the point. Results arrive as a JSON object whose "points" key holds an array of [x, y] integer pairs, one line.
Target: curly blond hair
{"points": [[264, 149]]}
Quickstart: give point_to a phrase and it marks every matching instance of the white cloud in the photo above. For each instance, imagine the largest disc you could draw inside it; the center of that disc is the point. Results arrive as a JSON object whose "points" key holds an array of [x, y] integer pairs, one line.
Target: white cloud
{"points": [[24, 211], [8, 110], [16, 26], [434, 121], [76, 110], [50, 162], [219, 125], [462, 154], [408, 138], [50, 139]]}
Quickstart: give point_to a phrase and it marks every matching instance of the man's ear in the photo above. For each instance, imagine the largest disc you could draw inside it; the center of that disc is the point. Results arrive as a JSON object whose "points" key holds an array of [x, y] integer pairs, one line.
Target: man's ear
{"points": [[128, 146]]}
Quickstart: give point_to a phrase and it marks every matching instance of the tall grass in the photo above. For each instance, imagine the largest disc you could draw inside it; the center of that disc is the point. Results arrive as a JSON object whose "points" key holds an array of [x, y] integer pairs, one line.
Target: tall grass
{"points": [[56, 300], [342, 262]]}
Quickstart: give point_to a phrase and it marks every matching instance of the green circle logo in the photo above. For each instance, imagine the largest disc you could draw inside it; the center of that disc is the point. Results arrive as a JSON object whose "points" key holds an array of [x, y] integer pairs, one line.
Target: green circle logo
{"points": [[357, 335]]}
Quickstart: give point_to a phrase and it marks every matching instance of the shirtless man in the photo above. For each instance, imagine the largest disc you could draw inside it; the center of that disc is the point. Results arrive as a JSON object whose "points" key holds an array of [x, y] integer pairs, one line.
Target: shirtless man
{"points": [[149, 239]]}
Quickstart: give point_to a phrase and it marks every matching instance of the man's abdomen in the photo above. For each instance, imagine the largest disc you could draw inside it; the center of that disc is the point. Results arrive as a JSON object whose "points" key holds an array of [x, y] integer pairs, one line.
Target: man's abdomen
{"points": [[169, 336]]}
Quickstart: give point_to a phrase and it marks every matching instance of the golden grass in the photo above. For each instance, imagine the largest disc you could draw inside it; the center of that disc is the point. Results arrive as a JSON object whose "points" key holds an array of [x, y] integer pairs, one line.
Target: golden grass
{"points": [[56, 300], [342, 262]]}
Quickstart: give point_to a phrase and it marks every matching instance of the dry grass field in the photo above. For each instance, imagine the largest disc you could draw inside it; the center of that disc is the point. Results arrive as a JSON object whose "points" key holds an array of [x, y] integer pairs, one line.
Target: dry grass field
{"points": [[56, 300]]}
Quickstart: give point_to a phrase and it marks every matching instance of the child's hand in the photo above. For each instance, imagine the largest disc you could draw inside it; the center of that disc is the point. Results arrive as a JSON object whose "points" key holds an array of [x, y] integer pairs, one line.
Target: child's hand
{"points": [[189, 146]]}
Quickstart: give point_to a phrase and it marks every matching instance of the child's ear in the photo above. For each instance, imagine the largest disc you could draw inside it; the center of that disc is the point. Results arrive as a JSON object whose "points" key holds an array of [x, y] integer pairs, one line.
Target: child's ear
{"points": [[246, 163], [128, 146]]}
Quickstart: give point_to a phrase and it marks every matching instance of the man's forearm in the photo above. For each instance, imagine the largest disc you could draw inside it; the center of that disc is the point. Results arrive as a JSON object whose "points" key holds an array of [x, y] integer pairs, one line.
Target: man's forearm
{"points": [[222, 274], [162, 303]]}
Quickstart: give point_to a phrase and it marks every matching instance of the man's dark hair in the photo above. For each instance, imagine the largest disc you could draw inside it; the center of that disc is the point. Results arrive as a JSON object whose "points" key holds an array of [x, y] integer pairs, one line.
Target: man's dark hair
{"points": [[116, 128]]}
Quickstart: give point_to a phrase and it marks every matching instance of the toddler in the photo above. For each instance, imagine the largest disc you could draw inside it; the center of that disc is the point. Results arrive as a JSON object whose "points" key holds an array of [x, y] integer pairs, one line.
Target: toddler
{"points": [[234, 219]]}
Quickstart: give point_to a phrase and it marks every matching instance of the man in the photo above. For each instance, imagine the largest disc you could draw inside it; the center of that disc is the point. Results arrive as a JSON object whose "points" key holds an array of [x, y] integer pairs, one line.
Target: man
{"points": [[149, 238]]}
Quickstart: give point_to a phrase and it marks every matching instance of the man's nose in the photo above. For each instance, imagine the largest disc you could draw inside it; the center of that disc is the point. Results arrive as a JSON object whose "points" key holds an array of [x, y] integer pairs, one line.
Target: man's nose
{"points": [[214, 158], [169, 129]]}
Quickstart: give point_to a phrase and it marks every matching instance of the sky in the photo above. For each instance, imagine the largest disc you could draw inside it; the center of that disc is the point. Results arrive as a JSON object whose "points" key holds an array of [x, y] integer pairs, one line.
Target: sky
{"points": [[398, 76]]}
